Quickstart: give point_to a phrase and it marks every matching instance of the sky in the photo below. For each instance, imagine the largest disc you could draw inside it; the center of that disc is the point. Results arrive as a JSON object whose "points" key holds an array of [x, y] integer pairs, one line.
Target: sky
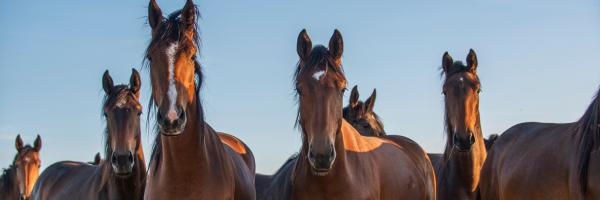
{"points": [[538, 61]]}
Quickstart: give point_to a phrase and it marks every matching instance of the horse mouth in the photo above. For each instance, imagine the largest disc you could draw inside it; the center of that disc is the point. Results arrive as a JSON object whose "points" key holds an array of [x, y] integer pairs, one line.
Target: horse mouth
{"points": [[320, 172], [171, 132], [123, 174], [463, 149]]}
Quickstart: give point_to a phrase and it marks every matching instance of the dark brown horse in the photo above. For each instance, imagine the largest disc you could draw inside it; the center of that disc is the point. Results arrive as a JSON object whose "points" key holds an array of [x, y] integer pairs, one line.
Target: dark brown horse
{"points": [[457, 170], [361, 115], [121, 178], [18, 179], [546, 160], [190, 160], [335, 161]]}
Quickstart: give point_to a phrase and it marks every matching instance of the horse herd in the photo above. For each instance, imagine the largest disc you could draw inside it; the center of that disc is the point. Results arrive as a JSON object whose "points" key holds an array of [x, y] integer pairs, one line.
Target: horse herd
{"points": [[345, 152]]}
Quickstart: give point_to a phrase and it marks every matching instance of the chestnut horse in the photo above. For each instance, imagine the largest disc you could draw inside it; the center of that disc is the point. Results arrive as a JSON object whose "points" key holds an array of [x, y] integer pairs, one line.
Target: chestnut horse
{"points": [[457, 170], [189, 160], [335, 161], [18, 179], [361, 115], [121, 178], [546, 160]]}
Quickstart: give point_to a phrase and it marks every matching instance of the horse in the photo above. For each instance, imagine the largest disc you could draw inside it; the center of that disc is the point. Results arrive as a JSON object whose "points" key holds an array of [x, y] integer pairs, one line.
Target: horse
{"points": [[18, 179], [121, 178], [361, 115], [335, 161], [534, 160], [457, 170], [189, 160], [358, 113]]}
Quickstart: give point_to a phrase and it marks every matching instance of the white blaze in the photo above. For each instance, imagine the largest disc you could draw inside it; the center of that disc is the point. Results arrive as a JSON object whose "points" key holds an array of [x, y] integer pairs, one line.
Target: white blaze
{"points": [[172, 90], [318, 75]]}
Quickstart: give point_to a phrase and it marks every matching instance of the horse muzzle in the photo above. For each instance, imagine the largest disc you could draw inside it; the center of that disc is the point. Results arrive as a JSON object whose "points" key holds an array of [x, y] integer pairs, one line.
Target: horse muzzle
{"points": [[321, 163]]}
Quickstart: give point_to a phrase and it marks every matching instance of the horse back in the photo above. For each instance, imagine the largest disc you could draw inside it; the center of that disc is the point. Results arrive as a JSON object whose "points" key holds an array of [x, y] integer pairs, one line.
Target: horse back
{"points": [[68, 180], [520, 161]]}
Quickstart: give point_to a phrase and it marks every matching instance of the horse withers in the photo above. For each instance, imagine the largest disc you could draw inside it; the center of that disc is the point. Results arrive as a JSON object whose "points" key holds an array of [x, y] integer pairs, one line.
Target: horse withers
{"points": [[123, 174]]}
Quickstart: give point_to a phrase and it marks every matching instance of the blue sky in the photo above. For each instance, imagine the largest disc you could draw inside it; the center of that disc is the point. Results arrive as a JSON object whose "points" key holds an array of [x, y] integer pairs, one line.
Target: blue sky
{"points": [[538, 61]]}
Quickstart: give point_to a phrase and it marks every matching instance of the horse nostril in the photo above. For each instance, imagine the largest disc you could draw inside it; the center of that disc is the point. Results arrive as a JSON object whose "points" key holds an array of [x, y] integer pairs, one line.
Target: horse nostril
{"points": [[113, 159], [472, 139], [130, 157]]}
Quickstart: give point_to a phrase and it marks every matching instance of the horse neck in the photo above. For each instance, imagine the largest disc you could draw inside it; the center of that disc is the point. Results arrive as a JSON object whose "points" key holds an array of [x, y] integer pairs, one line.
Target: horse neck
{"points": [[198, 148], [131, 187], [8, 182], [461, 170]]}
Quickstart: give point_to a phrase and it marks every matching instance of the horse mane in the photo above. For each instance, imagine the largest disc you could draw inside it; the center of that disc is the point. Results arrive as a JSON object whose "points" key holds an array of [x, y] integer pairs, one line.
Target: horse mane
{"points": [[587, 128], [318, 56], [169, 30]]}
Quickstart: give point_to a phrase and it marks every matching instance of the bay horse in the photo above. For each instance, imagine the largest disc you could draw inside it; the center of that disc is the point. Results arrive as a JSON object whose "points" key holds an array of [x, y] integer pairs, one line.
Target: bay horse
{"points": [[18, 179], [457, 170], [335, 161], [123, 175], [361, 115], [358, 113], [190, 160], [535, 160]]}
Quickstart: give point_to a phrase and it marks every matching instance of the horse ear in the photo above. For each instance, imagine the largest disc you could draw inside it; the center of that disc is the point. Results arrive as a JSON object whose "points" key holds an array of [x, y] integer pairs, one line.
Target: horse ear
{"points": [[107, 83], [188, 15], [304, 45], [354, 97], [370, 102], [37, 144], [19, 143], [155, 16], [135, 82], [336, 45], [472, 61], [97, 158], [447, 62]]}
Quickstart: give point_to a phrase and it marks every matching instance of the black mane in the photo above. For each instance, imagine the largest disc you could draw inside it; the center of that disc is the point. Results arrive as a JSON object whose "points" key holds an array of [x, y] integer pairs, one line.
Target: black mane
{"points": [[587, 128]]}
